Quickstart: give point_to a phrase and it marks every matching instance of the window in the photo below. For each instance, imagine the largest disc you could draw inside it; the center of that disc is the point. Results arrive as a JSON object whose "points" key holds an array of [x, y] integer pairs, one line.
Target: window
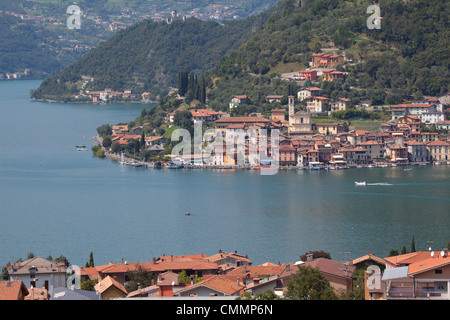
{"points": [[438, 271]]}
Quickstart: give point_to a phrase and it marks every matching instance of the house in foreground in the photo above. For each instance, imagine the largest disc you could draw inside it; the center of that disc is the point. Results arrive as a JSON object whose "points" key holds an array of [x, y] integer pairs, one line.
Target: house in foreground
{"points": [[418, 275], [13, 290]]}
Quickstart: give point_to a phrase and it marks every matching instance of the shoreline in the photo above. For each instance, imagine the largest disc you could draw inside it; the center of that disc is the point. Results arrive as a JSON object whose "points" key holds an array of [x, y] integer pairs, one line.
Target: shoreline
{"points": [[136, 163]]}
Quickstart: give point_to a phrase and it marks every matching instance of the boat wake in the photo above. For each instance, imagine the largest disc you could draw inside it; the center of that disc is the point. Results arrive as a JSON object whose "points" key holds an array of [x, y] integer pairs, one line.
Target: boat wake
{"points": [[380, 184]]}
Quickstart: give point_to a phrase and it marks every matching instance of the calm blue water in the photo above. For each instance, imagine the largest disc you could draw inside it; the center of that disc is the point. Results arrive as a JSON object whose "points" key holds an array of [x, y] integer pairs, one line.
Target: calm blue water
{"points": [[55, 200]]}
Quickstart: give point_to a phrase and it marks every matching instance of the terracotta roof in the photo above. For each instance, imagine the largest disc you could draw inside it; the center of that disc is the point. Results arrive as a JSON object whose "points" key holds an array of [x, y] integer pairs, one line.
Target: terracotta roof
{"points": [[408, 258], [42, 265], [368, 257], [257, 271], [10, 290], [109, 283], [217, 283], [438, 142], [370, 143], [242, 119], [286, 148], [431, 263], [168, 278], [222, 255], [331, 267]]}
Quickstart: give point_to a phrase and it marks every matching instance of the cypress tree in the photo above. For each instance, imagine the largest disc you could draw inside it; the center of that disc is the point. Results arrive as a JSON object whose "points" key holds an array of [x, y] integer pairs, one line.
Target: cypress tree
{"points": [[413, 245], [91, 259]]}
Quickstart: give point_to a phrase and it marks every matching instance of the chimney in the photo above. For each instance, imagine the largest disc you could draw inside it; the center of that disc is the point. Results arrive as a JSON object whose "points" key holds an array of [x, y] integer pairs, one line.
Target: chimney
{"points": [[288, 267], [171, 258], [255, 280], [238, 282], [445, 252], [309, 257], [153, 259]]}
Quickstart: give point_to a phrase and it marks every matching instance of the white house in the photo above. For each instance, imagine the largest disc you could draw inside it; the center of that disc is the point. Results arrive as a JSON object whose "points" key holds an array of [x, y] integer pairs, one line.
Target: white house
{"points": [[39, 272]]}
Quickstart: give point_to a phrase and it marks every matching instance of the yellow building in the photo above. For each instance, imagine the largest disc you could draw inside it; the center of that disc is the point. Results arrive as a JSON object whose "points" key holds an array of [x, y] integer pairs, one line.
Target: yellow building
{"points": [[439, 150], [110, 289]]}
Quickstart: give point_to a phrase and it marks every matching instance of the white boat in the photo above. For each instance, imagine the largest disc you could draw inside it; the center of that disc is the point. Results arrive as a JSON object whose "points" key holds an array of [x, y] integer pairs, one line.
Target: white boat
{"points": [[360, 183]]}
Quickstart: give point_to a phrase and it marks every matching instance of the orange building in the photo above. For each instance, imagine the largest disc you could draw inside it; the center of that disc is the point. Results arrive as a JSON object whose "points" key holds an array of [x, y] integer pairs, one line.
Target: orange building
{"points": [[324, 60], [330, 75]]}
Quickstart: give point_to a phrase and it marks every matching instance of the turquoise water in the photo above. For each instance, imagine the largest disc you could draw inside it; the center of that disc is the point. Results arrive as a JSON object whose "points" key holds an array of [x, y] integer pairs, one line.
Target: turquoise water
{"points": [[55, 200]]}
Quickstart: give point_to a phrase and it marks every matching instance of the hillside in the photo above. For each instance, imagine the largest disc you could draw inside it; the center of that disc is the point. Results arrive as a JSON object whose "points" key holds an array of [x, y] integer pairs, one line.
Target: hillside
{"points": [[34, 33], [407, 58], [20, 49], [149, 55]]}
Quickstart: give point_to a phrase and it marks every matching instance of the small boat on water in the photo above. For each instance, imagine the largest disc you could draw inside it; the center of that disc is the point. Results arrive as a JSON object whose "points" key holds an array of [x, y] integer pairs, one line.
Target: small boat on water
{"points": [[188, 213], [407, 169], [81, 148], [360, 183]]}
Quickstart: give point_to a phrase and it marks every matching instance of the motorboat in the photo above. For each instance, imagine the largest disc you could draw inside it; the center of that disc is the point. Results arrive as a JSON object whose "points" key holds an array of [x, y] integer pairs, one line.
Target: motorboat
{"points": [[360, 183]]}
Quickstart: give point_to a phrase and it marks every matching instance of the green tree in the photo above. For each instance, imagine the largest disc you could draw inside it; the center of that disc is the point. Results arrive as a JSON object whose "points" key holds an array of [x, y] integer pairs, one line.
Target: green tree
{"points": [[107, 141], [183, 277], [183, 119], [404, 251], [88, 285], [91, 259], [393, 252], [104, 130], [413, 245], [309, 284], [266, 295], [139, 277]]}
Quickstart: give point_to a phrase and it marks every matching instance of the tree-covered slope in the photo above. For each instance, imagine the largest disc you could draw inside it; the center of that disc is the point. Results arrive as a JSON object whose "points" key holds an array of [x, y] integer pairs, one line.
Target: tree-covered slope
{"points": [[149, 55], [408, 56], [20, 49]]}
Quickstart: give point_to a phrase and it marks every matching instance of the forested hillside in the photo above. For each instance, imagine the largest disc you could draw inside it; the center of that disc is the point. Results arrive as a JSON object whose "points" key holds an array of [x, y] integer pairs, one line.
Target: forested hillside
{"points": [[20, 49], [149, 55], [407, 57]]}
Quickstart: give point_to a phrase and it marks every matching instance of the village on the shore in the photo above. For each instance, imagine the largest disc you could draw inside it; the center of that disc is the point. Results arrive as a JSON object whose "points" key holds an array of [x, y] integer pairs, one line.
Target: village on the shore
{"points": [[421, 275], [306, 144], [416, 132]]}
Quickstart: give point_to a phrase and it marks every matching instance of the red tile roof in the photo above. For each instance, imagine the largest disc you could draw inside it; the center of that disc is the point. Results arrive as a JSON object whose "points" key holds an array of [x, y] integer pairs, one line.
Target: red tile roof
{"points": [[11, 290], [217, 283]]}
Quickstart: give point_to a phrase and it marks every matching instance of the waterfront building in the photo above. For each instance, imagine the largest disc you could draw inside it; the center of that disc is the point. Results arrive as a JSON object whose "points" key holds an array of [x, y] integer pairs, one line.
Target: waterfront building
{"points": [[417, 151], [375, 150], [398, 153], [354, 156], [439, 150]]}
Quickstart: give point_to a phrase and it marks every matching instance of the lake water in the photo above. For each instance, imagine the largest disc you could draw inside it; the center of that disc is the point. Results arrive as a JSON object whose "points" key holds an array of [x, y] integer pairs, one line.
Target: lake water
{"points": [[55, 200]]}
